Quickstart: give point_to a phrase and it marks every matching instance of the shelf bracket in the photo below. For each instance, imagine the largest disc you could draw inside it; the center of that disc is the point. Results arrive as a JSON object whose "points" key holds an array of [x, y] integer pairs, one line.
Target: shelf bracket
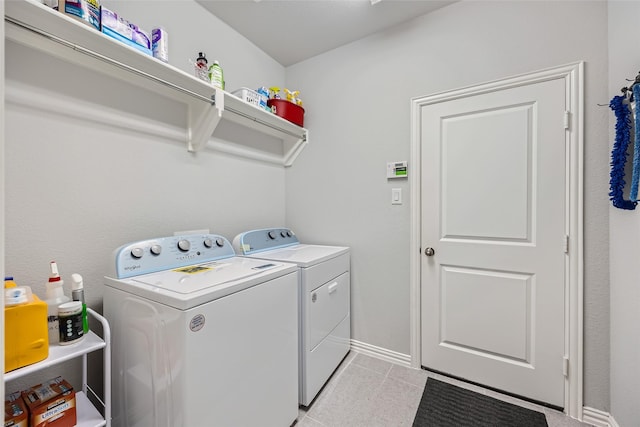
{"points": [[203, 121], [293, 147]]}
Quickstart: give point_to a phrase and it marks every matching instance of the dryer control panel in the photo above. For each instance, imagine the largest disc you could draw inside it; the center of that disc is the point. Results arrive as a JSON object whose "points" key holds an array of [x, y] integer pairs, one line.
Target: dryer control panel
{"points": [[163, 253], [255, 241]]}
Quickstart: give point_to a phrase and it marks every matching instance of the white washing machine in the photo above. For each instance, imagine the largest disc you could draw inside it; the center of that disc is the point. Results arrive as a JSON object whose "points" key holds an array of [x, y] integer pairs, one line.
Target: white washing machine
{"points": [[324, 315], [200, 336]]}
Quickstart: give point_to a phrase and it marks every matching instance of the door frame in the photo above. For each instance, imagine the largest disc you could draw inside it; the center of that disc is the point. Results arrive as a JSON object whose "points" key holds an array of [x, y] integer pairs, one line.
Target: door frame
{"points": [[572, 74]]}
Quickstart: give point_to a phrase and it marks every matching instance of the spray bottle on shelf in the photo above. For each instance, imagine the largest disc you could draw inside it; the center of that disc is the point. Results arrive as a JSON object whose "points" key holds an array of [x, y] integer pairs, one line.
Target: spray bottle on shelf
{"points": [[77, 294], [54, 297]]}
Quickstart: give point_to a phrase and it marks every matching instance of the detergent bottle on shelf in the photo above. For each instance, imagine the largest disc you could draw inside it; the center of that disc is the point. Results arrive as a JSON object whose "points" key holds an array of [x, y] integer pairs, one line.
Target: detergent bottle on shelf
{"points": [[54, 297], [216, 75], [25, 327]]}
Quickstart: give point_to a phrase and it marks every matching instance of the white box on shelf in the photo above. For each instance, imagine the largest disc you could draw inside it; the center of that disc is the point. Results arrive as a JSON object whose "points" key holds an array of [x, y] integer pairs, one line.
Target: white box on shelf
{"points": [[248, 95]]}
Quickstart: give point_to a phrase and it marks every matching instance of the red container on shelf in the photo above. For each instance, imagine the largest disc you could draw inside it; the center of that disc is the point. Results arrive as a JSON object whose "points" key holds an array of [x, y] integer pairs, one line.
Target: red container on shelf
{"points": [[287, 110]]}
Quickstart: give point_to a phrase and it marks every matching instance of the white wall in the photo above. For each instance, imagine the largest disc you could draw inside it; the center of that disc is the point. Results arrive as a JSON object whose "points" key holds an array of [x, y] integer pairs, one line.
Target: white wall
{"points": [[624, 63], [77, 189], [193, 29], [357, 101]]}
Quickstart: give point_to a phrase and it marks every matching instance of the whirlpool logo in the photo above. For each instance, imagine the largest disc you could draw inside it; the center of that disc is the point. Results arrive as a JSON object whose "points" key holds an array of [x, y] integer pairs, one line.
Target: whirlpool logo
{"points": [[132, 267], [187, 257]]}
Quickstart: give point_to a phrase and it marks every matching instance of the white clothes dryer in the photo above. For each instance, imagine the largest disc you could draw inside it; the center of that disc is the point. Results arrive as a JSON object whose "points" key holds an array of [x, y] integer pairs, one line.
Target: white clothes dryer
{"points": [[324, 314], [201, 337]]}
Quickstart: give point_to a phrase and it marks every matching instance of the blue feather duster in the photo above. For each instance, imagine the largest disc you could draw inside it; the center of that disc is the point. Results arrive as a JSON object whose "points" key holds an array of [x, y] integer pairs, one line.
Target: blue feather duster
{"points": [[636, 146], [619, 153]]}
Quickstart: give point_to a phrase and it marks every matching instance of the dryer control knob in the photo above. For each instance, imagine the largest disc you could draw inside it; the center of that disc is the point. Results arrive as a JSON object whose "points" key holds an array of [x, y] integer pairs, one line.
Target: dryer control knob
{"points": [[283, 234], [137, 252], [184, 245], [208, 243], [156, 249], [289, 233], [272, 235], [220, 242]]}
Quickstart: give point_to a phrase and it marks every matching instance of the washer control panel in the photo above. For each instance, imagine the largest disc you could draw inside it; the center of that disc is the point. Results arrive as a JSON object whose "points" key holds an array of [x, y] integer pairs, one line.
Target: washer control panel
{"points": [[163, 253], [265, 239]]}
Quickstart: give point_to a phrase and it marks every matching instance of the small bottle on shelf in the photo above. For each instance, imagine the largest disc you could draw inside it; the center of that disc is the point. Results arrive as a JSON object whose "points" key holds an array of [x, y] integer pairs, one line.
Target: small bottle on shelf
{"points": [[216, 75], [77, 294], [54, 297]]}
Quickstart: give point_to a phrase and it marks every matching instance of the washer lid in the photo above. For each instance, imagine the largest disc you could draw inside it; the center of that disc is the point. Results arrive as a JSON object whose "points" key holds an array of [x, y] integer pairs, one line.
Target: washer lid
{"points": [[303, 255], [194, 278], [189, 286]]}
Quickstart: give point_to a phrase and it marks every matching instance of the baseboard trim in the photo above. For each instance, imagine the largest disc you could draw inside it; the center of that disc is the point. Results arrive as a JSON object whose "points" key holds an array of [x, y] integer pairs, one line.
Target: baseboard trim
{"points": [[612, 422], [381, 353], [598, 418]]}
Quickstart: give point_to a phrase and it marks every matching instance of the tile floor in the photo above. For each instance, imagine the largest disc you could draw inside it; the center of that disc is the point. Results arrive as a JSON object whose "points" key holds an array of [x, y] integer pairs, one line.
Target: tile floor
{"points": [[369, 392]]}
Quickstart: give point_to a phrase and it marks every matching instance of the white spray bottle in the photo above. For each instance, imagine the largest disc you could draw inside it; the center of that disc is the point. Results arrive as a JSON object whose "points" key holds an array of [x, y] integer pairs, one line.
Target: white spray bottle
{"points": [[55, 296], [77, 294]]}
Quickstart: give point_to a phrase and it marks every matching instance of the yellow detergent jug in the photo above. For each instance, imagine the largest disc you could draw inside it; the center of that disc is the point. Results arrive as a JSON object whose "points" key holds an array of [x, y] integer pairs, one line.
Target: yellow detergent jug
{"points": [[26, 337]]}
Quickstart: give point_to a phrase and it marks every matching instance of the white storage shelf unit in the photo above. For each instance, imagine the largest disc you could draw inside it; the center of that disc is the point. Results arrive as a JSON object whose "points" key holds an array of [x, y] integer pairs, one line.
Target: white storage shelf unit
{"points": [[32, 24], [88, 415]]}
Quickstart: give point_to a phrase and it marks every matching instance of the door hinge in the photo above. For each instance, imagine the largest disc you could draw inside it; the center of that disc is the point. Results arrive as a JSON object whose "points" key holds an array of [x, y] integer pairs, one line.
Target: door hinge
{"points": [[565, 367], [566, 244], [567, 119]]}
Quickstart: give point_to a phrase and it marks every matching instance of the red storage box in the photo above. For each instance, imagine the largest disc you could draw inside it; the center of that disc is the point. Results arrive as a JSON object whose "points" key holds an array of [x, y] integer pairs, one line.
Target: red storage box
{"points": [[287, 110], [15, 411], [52, 404]]}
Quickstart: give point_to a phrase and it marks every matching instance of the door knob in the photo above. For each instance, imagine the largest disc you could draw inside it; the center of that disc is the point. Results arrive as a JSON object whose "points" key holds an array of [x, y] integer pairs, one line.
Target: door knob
{"points": [[429, 252]]}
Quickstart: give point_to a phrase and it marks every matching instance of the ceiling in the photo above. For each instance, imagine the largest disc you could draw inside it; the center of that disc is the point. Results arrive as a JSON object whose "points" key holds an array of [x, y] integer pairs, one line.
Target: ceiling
{"points": [[291, 31]]}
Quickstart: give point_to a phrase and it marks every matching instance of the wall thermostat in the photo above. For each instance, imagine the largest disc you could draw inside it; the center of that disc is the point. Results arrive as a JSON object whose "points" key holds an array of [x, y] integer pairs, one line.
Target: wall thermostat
{"points": [[397, 169]]}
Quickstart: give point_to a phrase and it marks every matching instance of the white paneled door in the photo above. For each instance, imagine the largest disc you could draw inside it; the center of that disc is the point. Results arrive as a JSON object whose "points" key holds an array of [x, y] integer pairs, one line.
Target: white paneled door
{"points": [[494, 238]]}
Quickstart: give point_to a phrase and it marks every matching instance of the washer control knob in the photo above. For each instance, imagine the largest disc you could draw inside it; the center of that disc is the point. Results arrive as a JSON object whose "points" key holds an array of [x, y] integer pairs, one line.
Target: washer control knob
{"points": [[184, 245], [283, 234], [137, 252], [220, 242], [272, 235], [289, 233], [156, 249], [208, 243]]}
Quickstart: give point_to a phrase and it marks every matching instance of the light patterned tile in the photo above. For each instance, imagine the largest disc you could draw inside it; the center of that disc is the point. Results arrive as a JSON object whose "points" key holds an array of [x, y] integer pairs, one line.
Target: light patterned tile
{"points": [[346, 401], [378, 365], [308, 422], [559, 419], [417, 377], [333, 380], [395, 404]]}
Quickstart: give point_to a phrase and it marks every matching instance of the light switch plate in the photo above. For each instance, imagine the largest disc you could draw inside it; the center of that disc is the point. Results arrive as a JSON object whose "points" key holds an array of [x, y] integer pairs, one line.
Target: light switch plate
{"points": [[396, 196]]}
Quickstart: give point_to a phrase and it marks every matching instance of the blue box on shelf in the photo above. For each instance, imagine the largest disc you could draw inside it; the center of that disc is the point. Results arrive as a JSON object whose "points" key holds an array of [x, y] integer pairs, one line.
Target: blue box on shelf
{"points": [[122, 30]]}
